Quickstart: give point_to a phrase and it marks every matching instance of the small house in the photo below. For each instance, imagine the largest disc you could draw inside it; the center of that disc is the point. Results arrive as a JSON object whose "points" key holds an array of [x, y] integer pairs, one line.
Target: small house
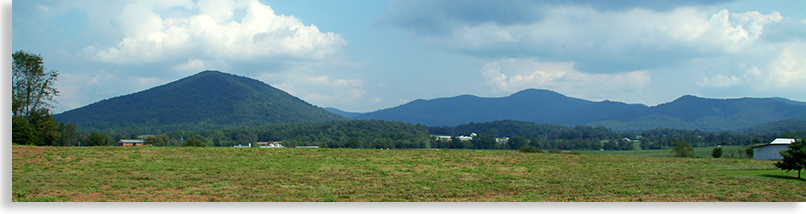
{"points": [[242, 146], [772, 151], [130, 142], [275, 144]]}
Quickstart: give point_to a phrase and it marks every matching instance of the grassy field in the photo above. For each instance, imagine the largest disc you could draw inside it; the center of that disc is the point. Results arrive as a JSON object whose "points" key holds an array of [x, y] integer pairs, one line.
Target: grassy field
{"points": [[701, 152], [230, 174]]}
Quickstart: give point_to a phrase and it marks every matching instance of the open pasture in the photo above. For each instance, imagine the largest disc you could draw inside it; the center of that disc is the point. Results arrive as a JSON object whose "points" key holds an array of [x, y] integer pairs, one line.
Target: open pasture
{"points": [[231, 174]]}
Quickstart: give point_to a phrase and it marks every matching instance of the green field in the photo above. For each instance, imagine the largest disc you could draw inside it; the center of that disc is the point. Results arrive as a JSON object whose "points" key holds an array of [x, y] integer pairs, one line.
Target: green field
{"points": [[230, 174], [701, 152]]}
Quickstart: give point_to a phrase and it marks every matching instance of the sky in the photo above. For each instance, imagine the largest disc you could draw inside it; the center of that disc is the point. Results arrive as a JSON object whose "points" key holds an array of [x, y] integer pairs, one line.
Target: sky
{"points": [[362, 56]]}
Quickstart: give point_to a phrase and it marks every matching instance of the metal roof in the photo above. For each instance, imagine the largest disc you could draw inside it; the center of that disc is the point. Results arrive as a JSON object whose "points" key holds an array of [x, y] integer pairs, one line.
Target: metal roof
{"points": [[783, 141], [131, 141]]}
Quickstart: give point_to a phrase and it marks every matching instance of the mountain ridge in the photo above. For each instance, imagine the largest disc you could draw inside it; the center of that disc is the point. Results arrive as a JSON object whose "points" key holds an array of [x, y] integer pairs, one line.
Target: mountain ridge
{"points": [[208, 98], [549, 107]]}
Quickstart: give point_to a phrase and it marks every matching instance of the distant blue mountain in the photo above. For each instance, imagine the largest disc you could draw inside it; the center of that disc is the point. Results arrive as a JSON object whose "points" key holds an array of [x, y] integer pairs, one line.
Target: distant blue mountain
{"points": [[548, 107], [531, 105], [691, 112], [342, 113]]}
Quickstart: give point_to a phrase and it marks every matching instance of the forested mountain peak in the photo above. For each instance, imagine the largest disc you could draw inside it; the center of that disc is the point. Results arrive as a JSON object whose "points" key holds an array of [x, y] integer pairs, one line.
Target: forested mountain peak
{"points": [[208, 99], [549, 107]]}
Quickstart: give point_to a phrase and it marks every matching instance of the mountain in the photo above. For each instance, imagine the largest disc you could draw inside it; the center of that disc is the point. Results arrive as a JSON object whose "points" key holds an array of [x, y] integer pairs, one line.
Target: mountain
{"points": [[691, 112], [209, 99], [548, 107], [342, 113], [788, 101], [592, 112], [526, 105]]}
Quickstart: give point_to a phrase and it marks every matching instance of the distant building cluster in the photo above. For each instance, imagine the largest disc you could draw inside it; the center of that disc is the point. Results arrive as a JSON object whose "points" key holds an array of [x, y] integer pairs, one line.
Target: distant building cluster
{"points": [[275, 144], [462, 137], [468, 138]]}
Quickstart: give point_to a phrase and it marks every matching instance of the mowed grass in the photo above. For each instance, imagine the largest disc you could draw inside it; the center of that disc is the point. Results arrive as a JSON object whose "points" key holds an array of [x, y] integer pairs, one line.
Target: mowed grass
{"points": [[701, 152], [230, 174]]}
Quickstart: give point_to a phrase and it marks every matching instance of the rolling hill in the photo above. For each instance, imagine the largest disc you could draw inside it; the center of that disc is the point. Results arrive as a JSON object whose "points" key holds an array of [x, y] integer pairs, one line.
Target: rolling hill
{"points": [[526, 105], [691, 112], [548, 107], [209, 99]]}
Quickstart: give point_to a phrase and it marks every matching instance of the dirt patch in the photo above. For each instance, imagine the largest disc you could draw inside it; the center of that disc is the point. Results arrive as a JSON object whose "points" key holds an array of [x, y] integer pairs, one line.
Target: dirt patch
{"points": [[20, 151], [148, 194]]}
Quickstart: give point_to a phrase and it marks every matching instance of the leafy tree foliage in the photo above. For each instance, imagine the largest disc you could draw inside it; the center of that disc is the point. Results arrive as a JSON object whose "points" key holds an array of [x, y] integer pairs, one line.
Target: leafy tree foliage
{"points": [[22, 132], [794, 157], [32, 92], [193, 142], [717, 152], [32, 85], [517, 142], [683, 149], [98, 139], [530, 149]]}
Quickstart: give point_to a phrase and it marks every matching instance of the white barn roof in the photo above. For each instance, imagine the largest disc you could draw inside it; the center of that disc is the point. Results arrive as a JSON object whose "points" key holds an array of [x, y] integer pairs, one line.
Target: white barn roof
{"points": [[783, 141]]}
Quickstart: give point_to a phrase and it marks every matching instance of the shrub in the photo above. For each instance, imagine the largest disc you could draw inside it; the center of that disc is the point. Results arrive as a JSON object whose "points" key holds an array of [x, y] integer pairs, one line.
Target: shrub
{"points": [[682, 149], [530, 149], [717, 152], [193, 142]]}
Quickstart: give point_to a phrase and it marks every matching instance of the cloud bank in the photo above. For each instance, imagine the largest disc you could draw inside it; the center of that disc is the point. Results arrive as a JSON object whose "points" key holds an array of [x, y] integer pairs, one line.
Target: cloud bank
{"points": [[599, 49]]}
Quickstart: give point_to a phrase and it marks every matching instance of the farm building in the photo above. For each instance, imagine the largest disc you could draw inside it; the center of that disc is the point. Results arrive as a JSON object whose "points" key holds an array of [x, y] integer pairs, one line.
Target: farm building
{"points": [[772, 151], [130, 142], [241, 146], [275, 144]]}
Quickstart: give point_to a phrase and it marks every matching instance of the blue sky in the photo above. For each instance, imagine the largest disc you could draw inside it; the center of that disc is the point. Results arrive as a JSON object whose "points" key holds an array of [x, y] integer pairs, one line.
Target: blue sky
{"points": [[363, 56]]}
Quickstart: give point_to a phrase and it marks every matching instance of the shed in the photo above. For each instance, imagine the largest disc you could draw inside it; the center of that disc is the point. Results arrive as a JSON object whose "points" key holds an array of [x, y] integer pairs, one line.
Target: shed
{"points": [[772, 151], [130, 142]]}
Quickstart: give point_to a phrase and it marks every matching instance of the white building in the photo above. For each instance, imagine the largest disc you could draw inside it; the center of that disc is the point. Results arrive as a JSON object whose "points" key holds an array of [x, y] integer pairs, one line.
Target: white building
{"points": [[275, 144], [242, 146], [773, 150]]}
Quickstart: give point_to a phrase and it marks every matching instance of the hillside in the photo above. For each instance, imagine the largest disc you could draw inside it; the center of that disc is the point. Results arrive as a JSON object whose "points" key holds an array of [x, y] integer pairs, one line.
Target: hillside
{"points": [[342, 113], [691, 112], [526, 105], [209, 99], [548, 107]]}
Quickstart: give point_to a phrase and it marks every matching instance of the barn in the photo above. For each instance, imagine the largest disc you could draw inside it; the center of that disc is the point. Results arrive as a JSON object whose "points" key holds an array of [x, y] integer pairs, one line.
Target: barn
{"points": [[772, 151], [130, 142]]}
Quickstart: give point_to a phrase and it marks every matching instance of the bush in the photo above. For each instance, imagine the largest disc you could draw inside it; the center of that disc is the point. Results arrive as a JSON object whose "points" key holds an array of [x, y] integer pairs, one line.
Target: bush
{"points": [[530, 149], [555, 151], [22, 132], [717, 152], [682, 149], [193, 142]]}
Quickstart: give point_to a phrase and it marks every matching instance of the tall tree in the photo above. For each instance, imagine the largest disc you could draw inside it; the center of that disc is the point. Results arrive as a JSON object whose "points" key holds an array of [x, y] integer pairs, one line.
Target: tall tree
{"points": [[32, 86], [794, 157], [682, 149], [32, 92]]}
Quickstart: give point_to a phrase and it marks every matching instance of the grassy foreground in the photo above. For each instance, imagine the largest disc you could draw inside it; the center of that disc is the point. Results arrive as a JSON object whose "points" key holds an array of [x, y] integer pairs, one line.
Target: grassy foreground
{"points": [[230, 174]]}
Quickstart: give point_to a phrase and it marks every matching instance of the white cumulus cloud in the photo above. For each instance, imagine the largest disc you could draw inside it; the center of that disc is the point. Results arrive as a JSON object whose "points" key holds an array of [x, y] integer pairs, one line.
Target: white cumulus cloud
{"points": [[511, 75], [784, 73], [322, 89], [190, 34]]}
